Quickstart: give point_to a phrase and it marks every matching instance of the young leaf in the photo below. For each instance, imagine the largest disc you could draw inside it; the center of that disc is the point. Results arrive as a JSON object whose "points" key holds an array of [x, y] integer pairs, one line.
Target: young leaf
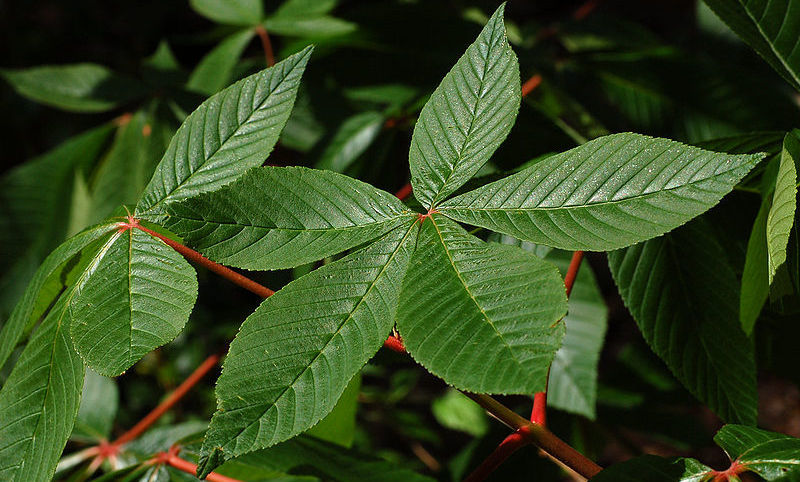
{"points": [[229, 133], [683, 295], [282, 217], [294, 356], [352, 138], [39, 401], [766, 247], [135, 296], [771, 27], [215, 69], [233, 12], [573, 374], [467, 117], [609, 193], [76, 88], [36, 299], [482, 316]]}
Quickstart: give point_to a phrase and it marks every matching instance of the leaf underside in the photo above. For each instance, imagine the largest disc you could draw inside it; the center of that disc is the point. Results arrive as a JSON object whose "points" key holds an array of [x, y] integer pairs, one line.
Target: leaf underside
{"points": [[294, 356], [282, 217], [467, 117], [683, 295], [481, 316], [609, 193]]}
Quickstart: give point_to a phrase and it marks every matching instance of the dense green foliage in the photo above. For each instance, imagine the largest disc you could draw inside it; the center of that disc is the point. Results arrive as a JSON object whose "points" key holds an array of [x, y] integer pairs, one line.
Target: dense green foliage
{"points": [[464, 270]]}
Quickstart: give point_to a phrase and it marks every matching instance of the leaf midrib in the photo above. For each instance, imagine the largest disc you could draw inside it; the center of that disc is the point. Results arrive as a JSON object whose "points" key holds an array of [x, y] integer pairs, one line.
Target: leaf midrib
{"points": [[472, 296], [769, 43], [222, 143], [327, 343]]}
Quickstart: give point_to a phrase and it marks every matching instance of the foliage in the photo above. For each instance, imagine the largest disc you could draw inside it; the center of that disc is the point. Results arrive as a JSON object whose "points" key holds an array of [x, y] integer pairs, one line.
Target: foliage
{"points": [[467, 269]]}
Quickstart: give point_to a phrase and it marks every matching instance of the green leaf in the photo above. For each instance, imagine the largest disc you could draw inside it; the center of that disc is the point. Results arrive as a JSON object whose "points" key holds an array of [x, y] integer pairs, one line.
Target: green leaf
{"points": [[76, 87], [315, 457], [339, 426], [606, 194], [215, 69], [35, 219], [39, 401], [282, 217], [135, 296], [294, 356], [233, 12], [573, 374], [770, 27], [129, 164], [738, 439], [467, 117], [230, 132], [654, 469], [482, 316], [309, 27], [99, 402], [457, 411], [683, 295], [45, 287], [352, 138], [766, 247]]}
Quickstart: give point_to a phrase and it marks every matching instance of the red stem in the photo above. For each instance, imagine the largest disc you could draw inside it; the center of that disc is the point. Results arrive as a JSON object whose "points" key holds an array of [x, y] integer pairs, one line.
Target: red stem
{"points": [[168, 402], [198, 258], [266, 44], [190, 468], [572, 271], [508, 446], [531, 84], [404, 192], [539, 411], [394, 343]]}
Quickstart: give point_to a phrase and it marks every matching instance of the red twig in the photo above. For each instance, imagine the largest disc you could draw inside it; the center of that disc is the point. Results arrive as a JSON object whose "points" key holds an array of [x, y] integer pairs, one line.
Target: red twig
{"points": [[266, 44], [198, 258], [508, 446], [404, 192], [531, 84], [572, 271], [171, 458], [539, 411], [168, 402]]}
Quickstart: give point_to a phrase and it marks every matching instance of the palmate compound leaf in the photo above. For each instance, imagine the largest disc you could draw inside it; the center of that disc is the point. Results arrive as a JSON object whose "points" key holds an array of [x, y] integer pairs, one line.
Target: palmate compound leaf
{"points": [[282, 217], [683, 295], [766, 247], [229, 133], [770, 27], [294, 356], [39, 401], [45, 287], [135, 295], [482, 316], [606, 194], [467, 117]]}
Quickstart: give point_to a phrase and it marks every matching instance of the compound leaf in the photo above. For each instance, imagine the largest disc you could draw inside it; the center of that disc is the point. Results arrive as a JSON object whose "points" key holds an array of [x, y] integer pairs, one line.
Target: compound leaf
{"points": [[282, 217], [39, 401], [135, 295], [467, 117], [482, 316], [683, 295], [770, 27], [230, 132], [77, 88], [609, 193], [294, 356]]}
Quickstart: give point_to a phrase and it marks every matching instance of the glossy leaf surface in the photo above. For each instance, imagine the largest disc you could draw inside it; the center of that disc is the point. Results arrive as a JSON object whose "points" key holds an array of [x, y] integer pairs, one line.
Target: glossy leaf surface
{"points": [[606, 194], [481, 316], [467, 117], [294, 356], [282, 217], [135, 296], [230, 132]]}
